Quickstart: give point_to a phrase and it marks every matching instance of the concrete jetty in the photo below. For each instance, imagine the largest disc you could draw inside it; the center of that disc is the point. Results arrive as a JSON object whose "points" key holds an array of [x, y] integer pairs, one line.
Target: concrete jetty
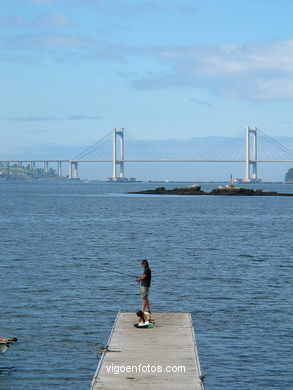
{"points": [[163, 357]]}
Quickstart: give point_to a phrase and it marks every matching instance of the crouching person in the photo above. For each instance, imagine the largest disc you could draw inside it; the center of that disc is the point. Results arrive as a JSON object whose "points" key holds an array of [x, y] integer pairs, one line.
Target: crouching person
{"points": [[145, 320]]}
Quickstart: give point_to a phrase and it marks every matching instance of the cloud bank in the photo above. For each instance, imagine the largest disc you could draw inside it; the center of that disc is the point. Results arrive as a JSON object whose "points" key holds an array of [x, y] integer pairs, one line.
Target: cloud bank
{"points": [[250, 72], [253, 71], [50, 118]]}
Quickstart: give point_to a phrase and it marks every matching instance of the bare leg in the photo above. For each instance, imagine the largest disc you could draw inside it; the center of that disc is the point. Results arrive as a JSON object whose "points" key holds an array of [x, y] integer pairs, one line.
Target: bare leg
{"points": [[146, 305], [143, 304]]}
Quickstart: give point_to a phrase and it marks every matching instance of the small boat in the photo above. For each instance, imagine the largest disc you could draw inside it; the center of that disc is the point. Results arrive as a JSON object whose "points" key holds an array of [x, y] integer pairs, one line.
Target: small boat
{"points": [[5, 341]]}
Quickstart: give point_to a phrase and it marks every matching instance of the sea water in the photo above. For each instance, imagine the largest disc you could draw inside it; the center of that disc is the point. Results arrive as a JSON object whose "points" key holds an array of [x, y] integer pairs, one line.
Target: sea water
{"points": [[66, 248]]}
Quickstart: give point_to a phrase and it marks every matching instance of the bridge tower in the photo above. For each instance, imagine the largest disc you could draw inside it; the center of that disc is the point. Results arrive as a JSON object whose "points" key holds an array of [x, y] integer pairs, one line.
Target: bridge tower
{"points": [[251, 155], [120, 161]]}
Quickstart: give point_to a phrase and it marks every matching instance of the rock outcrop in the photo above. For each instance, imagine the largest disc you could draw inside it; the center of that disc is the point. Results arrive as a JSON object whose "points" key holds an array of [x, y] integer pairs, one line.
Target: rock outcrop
{"points": [[229, 190]]}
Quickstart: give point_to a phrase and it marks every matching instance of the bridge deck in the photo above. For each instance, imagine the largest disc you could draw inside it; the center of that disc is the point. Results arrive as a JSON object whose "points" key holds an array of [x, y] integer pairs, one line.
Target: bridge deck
{"points": [[144, 356]]}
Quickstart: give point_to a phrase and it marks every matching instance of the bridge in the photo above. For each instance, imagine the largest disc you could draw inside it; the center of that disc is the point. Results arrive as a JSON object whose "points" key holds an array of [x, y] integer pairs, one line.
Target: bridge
{"points": [[248, 145]]}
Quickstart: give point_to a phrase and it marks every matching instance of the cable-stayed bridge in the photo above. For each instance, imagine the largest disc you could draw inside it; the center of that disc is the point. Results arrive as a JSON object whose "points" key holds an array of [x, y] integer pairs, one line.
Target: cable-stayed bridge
{"points": [[118, 147]]}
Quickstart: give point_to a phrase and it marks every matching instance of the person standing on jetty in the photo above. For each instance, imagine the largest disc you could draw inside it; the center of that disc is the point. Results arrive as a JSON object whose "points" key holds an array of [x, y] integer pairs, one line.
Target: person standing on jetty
{"points": [[145, 283]]}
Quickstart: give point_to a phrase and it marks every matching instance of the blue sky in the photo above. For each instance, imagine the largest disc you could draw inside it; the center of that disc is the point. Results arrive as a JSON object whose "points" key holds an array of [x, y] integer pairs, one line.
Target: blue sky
{"points": [[71, 70]]}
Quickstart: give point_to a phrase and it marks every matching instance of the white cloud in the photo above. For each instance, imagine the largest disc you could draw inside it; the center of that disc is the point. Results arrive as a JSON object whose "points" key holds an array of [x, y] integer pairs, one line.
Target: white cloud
{"points": [[201, 102], [48, 20], [187, 10], [251, 72], [53, 20], [215, 60], [255, 72], [49, 118]]}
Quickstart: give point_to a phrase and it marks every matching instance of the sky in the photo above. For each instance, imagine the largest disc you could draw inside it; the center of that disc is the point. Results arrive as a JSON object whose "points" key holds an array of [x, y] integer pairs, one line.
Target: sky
{"points": [[72, 70]]}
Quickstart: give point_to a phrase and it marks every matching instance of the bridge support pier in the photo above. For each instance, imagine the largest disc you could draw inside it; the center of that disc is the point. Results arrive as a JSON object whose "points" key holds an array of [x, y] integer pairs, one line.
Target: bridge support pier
{"points": [[75, 170], [120, 161], [59, 169], [69, 169], [74, 165], [7, 165], [46, 167], [251, 155]]}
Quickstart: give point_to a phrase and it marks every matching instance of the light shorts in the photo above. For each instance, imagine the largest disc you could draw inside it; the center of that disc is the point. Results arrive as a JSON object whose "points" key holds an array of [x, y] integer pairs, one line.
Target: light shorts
{"points": [[144, 291]]}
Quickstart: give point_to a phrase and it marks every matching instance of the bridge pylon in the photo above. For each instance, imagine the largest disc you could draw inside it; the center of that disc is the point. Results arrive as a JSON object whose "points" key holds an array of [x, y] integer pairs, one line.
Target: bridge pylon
{"points": [[118, 162], [251, 155]]}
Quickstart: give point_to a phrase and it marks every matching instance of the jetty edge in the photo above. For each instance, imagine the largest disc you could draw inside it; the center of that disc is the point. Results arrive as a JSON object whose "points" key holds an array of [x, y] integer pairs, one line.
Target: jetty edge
{"points": [[229, 190], [159, 358]]}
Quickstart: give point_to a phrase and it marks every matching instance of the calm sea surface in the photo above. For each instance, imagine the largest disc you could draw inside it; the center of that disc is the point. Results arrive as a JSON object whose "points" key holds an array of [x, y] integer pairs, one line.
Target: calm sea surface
{"points": [[226, 260]]}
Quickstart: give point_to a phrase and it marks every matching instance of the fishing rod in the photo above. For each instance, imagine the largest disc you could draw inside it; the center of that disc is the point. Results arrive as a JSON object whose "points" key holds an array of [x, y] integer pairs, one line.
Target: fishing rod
{"points": [[118, 272]]}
